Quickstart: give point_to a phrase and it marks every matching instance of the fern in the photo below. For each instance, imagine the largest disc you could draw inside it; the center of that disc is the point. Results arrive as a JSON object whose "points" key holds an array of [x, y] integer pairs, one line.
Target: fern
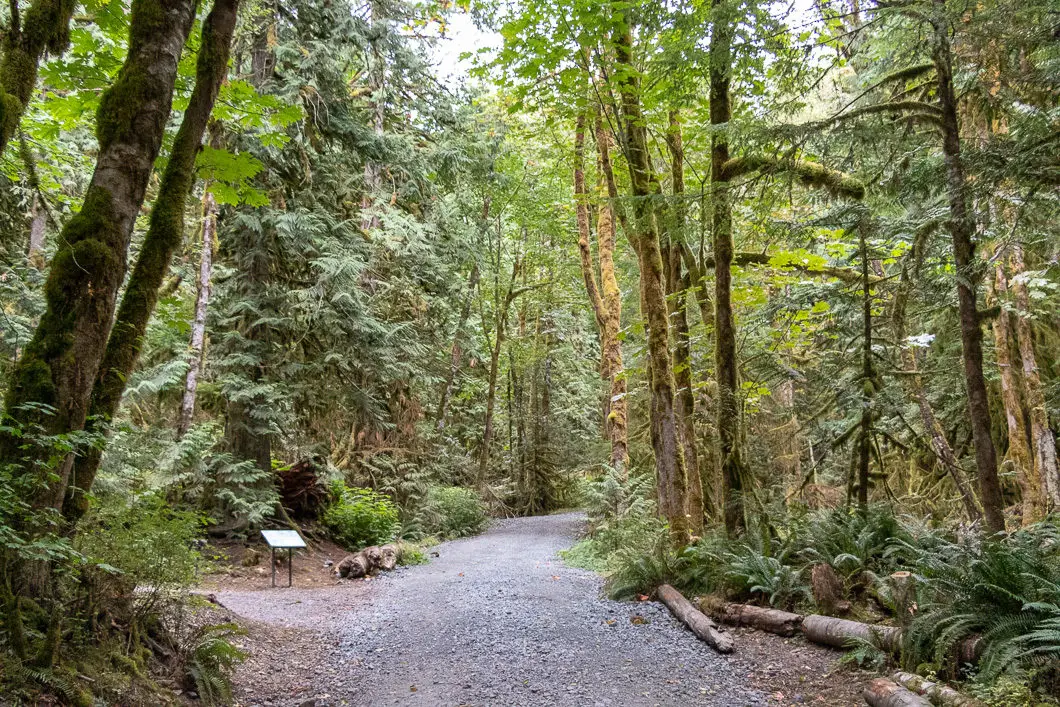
{"points": [[211, 661]]}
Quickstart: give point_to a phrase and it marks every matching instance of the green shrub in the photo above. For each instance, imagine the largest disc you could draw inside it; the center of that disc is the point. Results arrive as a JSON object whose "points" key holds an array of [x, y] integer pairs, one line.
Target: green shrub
{"points": [[359, 517], [144, 543], [452, 512]]}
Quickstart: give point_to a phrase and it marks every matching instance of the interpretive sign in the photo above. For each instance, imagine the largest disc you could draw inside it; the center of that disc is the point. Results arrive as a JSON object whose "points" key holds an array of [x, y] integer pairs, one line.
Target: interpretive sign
{"points": [[289, 539]]}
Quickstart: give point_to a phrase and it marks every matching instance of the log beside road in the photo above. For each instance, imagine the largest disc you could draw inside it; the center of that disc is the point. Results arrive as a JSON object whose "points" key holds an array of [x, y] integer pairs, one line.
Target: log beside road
{"points": [[937, 693], [782, 623], [882, 692], [699, 623], [840, 633]]}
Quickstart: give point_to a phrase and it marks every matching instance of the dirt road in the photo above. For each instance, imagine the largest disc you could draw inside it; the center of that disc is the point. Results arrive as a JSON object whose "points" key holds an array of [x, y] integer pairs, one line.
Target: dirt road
{"points": [[499, 620]]}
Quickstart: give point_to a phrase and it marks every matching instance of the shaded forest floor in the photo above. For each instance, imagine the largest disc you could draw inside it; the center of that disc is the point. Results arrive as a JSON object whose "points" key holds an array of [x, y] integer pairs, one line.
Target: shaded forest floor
{"points": [[498, 619]]}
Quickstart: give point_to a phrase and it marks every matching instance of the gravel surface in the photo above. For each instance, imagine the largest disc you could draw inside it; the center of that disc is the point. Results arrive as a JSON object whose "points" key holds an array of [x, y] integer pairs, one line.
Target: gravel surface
{"points": [[496, 619]]}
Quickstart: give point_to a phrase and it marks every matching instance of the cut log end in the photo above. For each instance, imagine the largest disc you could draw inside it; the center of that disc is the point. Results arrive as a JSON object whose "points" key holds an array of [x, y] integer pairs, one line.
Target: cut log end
{"points": [[696, 620]]}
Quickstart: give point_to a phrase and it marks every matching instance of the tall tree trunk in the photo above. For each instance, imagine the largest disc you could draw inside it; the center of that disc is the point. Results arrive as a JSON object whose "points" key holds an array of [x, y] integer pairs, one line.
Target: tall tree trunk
{"points": [[456, 351], [1019, 448], [677, 285], [164, 235], [61, 362], [868, 376], [202, 304], [1042, 442], [610, 345], [500, 324], [669, 456], [45, 27], [969, 274], [377, 85], [724, 326]]}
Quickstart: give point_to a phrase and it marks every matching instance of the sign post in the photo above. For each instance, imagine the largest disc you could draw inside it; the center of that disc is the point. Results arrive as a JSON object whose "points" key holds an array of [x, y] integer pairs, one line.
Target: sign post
{"points": [[283, 539]]}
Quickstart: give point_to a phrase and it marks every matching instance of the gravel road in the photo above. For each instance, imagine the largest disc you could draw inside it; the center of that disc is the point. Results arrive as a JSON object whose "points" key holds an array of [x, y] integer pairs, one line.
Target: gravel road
{"points": [[496, 619]]}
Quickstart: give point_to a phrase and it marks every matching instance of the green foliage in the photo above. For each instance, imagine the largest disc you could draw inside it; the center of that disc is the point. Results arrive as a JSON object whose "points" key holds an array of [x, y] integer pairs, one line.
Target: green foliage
{"points": [[359, 517], [452, 512], [752, 573], [623, 527], [211, 658], [1004, 589], [144, 545]]}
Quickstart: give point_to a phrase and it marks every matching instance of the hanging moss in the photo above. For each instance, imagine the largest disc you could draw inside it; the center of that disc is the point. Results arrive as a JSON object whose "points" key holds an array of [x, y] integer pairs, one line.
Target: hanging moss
{"points": [[45, 27]]}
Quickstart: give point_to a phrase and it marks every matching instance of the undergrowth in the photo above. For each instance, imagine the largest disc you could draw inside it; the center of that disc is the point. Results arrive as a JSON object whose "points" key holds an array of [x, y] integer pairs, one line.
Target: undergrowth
{"points": [[1000, 594]]}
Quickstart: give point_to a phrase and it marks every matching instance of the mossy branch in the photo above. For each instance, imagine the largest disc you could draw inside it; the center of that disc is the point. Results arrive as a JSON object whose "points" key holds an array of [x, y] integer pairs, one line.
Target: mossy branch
{"points": [[46, 27], [811, 174]]}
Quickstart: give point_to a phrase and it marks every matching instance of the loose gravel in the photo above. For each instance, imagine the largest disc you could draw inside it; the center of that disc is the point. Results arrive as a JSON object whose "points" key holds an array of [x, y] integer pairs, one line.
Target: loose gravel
{"points": [[496, 619]]}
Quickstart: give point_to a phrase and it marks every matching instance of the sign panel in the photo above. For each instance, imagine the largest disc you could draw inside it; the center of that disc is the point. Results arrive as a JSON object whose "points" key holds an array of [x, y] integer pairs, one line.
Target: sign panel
{"points": [[283, 538]]}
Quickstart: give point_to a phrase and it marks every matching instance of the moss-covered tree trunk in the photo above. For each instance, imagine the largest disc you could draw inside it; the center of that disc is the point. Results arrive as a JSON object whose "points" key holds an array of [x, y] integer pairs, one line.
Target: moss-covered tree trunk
{"points": [[45, 26], [1043, 444], [969, 274], [59, 366], [164, 235], [724, 325], [1018, 455], [611, 346], [677, 286], [665, 436]]}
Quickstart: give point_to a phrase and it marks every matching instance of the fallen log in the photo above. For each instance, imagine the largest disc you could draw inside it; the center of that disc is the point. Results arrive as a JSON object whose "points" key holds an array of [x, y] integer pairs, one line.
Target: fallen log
{"points": [[840, 633], [938, 694], [782, 623], [353, 566], [695, 619], [882, 692]]}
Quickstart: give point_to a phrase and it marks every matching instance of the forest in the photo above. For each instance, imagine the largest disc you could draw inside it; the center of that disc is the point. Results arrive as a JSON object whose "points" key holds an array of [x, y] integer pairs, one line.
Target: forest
{"points": [[768, 289]]}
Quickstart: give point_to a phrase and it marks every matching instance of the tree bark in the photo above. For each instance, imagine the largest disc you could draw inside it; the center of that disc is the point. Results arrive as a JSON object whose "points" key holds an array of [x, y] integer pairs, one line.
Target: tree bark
{"points": [[45, 27], [198, 325], [677, 286], [936, 693], [60, 364], [782, 623], [698, 622], [838, 633], [969, 274], [1042, 442], [377, 85], [581, 208], [868, 376], [1019, 449], [732, 472], [164, 235], [669, 456], [611, 346]]}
